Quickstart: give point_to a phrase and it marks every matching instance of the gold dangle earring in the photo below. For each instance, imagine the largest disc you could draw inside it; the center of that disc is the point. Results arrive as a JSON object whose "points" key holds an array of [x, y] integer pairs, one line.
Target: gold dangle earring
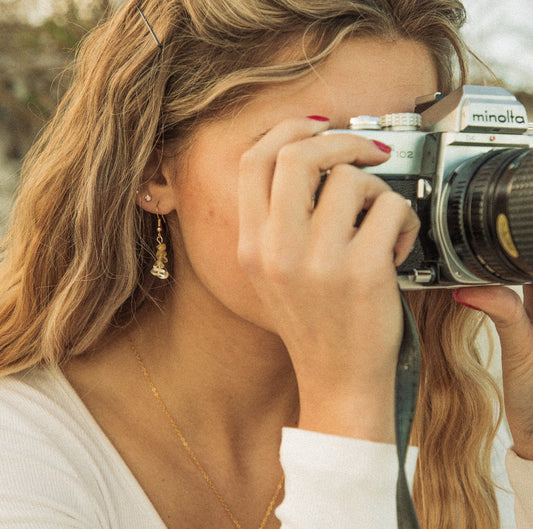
{"points": [[159, 270]]}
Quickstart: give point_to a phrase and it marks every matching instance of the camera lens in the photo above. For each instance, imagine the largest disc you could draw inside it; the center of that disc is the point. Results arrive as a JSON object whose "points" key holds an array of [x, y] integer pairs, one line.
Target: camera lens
{"points": [[490, 215]]}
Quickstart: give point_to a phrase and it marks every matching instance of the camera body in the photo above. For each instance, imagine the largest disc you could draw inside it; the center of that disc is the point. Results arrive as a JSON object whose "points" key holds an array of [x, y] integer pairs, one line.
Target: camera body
{"points": [[465, 163]]}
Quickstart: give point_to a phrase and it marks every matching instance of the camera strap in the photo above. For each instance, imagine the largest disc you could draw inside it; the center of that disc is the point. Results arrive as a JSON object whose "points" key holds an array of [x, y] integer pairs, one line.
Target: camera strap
{"points": [[405, 397]]}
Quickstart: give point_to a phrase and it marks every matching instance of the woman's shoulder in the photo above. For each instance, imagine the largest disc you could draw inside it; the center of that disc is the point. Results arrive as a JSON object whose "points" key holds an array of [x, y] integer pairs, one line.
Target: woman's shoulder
{"points": [[38, 464], [34, 404], [39, 405], [56, 464]]}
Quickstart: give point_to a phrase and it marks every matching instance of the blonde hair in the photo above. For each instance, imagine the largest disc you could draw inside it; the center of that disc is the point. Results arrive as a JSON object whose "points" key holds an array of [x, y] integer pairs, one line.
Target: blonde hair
{"points": [[76, 258]]}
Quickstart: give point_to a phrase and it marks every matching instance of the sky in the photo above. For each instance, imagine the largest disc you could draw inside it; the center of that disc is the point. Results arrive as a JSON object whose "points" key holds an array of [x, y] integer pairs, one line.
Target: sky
{"points": [[501, 33]]}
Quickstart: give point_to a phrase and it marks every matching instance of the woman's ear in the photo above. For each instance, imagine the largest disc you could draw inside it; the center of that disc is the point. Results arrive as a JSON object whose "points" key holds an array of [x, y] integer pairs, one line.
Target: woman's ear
{"points": [[156, 195]]}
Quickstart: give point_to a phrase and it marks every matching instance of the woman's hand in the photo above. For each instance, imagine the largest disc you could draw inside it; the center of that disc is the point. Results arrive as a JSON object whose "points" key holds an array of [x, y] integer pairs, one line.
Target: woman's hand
{"points": [[329, 290], [513, 321]]}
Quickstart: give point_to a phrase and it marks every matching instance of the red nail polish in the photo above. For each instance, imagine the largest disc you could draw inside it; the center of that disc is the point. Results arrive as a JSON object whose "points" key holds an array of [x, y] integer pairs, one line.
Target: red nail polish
{"points": [[382, 146], [318, 118], [455, 295]]}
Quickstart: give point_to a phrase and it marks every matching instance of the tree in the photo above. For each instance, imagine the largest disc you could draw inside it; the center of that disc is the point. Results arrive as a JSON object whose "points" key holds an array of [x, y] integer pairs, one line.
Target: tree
{"points": [[33, 59]]}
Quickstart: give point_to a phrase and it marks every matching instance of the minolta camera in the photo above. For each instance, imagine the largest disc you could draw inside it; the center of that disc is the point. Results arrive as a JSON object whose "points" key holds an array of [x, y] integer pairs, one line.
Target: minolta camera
{"points": [[465, 163]]}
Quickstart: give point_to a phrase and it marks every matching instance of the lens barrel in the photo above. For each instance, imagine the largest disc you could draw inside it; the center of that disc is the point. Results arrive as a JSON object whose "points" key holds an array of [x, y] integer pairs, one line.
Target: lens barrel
{"points": [[490, 215]]}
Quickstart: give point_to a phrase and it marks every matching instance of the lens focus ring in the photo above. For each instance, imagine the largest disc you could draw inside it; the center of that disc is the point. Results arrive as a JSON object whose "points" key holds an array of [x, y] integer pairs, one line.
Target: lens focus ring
{"points": [[520, 207], [490, 217]]}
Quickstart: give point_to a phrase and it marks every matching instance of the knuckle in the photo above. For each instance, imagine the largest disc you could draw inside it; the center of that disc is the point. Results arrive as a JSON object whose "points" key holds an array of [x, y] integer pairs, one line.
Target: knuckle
{"points": [[290, 154], [320, 270], [248, 256], [279, 268], [248, 161], [395, 203], [269, 260], [393, 200], [378, 182], [280, 259], [350, 273], [416, 220], [344, 174], [370, 183], [361, 276]]}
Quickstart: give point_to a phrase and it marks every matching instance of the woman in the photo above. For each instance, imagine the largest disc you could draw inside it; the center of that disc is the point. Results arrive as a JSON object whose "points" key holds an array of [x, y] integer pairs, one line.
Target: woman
{"points": [[172, 295]]}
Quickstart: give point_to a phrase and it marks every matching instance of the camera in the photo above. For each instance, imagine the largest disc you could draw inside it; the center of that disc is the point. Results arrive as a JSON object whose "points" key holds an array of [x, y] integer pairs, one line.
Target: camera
{"points": [[465, 163]]}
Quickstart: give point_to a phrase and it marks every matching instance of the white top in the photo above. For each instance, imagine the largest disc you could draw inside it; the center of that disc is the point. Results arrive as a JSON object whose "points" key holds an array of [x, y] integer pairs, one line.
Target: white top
{"points": [[58, 470]]}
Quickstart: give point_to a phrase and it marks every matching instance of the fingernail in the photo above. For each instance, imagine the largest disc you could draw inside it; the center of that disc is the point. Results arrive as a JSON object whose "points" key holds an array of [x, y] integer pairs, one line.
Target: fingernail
{"points": [[382, 146], [318, 118], [455, 296]]}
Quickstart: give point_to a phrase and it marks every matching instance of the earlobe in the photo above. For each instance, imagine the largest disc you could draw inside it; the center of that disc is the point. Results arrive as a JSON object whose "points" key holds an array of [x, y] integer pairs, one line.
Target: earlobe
{"points": [[146, 198], [156, 192], [143, 199]]}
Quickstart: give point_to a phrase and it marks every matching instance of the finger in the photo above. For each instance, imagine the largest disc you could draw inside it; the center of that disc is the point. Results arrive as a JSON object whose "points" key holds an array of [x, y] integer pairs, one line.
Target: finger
{"points": [[347, 191], [300, 164], [257, 167], [528, 300], [501, 304], [388, 230], [514, 328], [505, 308]]}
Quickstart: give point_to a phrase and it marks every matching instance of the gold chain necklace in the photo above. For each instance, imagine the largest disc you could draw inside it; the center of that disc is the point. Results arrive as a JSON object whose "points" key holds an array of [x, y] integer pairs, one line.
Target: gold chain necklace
{"points": [[192, 455]]}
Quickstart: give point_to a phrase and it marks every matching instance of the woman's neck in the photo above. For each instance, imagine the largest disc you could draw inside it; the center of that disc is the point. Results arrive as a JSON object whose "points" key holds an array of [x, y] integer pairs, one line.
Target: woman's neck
{"points": [[229, 387], [211, 364]]}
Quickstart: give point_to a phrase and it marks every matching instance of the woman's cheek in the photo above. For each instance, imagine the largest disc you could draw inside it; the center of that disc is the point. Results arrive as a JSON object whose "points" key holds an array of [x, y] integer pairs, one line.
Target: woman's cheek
{"points": [[209, 231]]}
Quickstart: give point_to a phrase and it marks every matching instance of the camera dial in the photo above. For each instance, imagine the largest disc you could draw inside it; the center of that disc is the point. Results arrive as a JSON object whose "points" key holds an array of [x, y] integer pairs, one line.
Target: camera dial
{"points": [[401, 122]]}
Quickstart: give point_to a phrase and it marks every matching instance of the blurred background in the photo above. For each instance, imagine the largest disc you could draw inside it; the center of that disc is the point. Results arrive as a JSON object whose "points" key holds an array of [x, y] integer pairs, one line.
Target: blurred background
{"points": [[38, 38]]}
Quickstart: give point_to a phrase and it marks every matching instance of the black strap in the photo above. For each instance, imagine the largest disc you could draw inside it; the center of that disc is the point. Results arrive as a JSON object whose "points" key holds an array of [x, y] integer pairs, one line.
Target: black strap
{"points": [[405, 395]]}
